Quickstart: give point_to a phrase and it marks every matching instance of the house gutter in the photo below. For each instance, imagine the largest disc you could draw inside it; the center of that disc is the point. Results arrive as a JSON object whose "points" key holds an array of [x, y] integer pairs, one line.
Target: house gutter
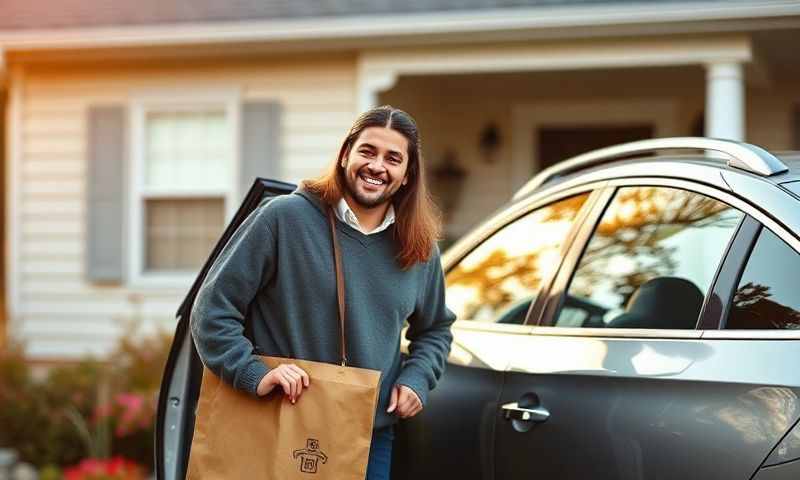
{"points": [[585, 18]]}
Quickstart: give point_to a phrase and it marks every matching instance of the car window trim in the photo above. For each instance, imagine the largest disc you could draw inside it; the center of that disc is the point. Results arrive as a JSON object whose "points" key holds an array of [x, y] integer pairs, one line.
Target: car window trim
{"points": [[490, 327], [717, 303], [751, 335], [562, 281], [586, 213], [557, 286], [654, 333]]}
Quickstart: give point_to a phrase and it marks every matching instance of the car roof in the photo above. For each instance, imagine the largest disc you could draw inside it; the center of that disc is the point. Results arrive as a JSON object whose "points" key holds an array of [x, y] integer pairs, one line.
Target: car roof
{"points": [[792, 160]]}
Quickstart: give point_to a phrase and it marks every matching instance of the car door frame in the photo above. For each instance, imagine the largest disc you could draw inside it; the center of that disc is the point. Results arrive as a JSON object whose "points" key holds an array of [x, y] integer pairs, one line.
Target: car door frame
{"points": [[174, 423]]}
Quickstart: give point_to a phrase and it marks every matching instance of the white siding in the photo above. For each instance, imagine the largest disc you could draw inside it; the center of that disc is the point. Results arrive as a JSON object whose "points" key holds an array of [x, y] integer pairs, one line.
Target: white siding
{"points": [[58, 313]]}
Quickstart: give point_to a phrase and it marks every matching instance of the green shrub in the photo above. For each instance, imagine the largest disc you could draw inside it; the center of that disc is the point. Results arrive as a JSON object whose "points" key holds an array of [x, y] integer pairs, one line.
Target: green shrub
{"points": [[38, 432], [90, 409]]}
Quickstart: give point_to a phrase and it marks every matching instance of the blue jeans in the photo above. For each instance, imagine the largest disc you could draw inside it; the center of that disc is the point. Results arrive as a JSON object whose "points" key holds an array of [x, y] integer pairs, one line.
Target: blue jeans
{"points": [[380, 454]]}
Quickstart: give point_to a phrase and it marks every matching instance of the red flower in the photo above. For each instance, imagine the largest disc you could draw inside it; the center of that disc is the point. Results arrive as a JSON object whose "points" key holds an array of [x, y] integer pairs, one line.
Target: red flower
{"points": [[116, 468]]}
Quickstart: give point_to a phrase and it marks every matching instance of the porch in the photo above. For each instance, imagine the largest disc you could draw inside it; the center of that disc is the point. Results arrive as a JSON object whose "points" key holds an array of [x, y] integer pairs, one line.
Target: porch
{"points": [[491, 118]]}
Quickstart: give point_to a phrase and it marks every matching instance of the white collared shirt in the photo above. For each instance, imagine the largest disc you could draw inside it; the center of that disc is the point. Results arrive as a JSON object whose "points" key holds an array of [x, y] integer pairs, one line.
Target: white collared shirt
{"points": [[346, 214]]}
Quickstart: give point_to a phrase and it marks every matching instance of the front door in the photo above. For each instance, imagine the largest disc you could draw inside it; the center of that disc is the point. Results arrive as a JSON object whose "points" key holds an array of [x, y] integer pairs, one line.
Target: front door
{"points": [[559, 143]]}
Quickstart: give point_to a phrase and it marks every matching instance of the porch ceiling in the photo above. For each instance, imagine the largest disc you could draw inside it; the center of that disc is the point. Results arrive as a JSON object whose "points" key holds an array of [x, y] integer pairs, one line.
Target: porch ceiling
{"points": [[605, 82]]}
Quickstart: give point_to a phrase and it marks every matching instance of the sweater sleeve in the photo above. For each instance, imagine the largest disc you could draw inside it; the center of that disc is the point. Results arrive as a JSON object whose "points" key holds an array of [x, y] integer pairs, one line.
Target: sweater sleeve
{"points": [[428, 333], [244, 265]]}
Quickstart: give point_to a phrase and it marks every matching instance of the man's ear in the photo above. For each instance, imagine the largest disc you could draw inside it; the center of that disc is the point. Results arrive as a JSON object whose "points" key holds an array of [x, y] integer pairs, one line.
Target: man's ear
{"points": [[343, 160]]}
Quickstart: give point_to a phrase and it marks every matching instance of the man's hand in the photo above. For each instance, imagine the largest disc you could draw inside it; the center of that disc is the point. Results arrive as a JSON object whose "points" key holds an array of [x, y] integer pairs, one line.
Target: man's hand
{"points": [[289, 376], [404, 401]]}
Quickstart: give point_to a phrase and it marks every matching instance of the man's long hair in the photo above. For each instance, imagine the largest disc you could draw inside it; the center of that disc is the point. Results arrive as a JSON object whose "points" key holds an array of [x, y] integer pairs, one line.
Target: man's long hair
{"points": [[417, 219]]}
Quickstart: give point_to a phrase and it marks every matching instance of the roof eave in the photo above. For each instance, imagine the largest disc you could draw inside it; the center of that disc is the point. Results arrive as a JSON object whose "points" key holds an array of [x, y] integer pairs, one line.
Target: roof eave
{"points": [[550, 20]]}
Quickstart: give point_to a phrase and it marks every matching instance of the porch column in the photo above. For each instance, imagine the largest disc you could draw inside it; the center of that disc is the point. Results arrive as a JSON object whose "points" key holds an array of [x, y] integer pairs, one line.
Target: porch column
{"points": [[371, 84], [725, 101], [367, 99]]}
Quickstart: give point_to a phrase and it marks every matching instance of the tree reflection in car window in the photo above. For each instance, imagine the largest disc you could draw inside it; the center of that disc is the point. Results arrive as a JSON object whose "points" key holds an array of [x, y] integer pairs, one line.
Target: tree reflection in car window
{"points": [[498, 280], [650, 261], [766, 297]]}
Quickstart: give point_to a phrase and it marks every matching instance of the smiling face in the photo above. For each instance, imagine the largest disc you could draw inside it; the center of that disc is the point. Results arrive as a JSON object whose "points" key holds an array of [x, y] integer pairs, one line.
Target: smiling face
{"points": [[375, 167]]}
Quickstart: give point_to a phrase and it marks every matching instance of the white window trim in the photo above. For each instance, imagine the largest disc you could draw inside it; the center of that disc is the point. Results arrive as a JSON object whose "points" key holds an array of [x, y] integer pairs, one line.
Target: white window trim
{"points": [[142, 102]]}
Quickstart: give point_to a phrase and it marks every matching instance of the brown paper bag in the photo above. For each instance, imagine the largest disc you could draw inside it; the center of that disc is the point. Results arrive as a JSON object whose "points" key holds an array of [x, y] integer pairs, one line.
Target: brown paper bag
{"points": [[325, 435]]}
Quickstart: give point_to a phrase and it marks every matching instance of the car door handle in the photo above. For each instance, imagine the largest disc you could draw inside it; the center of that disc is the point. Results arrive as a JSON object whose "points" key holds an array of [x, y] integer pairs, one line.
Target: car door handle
{"points": [[513, 411]]}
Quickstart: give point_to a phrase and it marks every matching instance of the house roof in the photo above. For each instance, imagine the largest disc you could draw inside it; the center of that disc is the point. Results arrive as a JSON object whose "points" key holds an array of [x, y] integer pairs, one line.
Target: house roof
{"points": [[66, 14], [37, 25]]}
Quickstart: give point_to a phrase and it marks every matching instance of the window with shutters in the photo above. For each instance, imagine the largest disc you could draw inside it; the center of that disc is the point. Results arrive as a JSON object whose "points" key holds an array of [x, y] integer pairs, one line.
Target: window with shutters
{"points": [[184, 185], [187, 175]]}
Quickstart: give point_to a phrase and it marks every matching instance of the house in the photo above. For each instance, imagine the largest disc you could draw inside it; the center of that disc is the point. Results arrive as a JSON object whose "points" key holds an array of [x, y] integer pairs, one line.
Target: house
{"points": [[133, 129]]}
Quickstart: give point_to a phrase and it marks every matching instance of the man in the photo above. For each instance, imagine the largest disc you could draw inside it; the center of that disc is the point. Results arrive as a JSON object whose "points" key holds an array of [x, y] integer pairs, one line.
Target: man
{"points": [[277, 269]]}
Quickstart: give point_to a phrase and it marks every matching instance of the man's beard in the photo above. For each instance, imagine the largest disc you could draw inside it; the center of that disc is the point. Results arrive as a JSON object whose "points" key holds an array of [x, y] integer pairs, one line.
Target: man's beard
{"points": [[367, 202]]}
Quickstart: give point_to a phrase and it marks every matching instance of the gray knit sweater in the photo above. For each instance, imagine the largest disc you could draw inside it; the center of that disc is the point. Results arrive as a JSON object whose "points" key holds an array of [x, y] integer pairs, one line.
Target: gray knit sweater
{"points": [[278, 270]]}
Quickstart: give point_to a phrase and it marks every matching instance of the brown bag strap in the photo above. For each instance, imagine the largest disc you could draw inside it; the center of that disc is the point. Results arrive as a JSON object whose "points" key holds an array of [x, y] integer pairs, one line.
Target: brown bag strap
{"points": [[337, 256]]}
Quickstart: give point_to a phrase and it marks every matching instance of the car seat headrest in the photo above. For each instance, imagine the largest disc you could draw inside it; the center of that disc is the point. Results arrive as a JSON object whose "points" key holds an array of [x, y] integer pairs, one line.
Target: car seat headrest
{"points": [[662, 302]]}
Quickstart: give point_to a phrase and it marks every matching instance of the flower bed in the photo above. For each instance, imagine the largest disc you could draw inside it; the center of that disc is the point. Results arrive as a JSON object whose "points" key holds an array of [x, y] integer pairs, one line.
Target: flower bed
{"points": [[94, 419]]}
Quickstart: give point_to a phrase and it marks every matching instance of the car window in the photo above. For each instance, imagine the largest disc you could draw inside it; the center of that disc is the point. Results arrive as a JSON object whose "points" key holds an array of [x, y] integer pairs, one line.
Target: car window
{"points": [[766, 297], [498, 280], [650, 260]]}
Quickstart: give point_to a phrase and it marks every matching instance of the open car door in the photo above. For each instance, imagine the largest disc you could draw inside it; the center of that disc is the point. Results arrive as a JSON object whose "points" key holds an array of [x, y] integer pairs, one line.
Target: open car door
{"points": [[180, 384]]}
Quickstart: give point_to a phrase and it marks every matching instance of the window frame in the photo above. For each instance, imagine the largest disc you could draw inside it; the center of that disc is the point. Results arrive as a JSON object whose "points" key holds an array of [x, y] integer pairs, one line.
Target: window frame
{"points": [[703, 329], [735, 266], [227, 100], [717, 304], [499, 221]]}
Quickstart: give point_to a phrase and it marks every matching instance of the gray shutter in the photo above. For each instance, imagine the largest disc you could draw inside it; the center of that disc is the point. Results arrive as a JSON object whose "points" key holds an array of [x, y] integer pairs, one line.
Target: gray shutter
{"points": [[105, 194], [260, 143]]}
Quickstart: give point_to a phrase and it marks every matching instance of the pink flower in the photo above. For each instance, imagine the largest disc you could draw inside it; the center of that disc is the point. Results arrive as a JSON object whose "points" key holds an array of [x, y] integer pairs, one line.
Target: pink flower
{"points": [[134, 413]]}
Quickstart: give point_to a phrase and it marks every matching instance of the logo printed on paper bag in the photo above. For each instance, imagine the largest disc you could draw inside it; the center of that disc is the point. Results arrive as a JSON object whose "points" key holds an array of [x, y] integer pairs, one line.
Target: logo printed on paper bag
{"points": [[310, 456]]}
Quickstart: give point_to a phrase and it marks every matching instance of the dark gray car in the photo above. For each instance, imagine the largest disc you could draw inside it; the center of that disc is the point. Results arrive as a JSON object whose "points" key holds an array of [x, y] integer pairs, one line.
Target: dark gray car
{"points": [[631, 314]]}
